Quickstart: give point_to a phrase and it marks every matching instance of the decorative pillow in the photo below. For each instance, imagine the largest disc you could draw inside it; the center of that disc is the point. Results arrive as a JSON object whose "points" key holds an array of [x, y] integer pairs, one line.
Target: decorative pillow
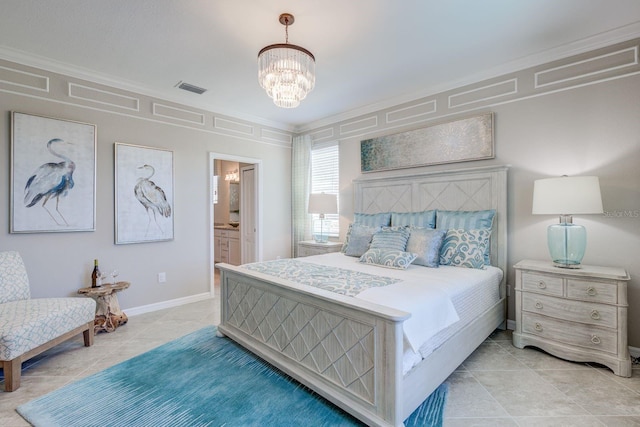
{"points": [[389, 258], [372, 220], [426, 243], [426, 219], [359, 239], [465, 248], [391, 238], [467, 220]]}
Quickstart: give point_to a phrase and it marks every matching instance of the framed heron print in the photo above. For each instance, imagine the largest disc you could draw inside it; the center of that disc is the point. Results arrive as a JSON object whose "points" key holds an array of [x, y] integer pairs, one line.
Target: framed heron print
{"points": [[53, 175], [143, 193]]}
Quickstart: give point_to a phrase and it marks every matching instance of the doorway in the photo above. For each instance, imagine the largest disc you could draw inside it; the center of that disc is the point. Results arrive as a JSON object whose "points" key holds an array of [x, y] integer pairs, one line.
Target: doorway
{"points": [[235, 219]]}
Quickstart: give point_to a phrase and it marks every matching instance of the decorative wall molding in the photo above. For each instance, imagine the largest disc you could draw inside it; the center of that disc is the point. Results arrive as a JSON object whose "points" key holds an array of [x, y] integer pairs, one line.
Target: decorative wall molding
{"points": [[322, 134], [600, 64], [276, 136], [617, 61], [24, 79], [169, 112], [483, 93], [358, 125], [232, 126], [421, 109], [104, 97], [28, 81]]}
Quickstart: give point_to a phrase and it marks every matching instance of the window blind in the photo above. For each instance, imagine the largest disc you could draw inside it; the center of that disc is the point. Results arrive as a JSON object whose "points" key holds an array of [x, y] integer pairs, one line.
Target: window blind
{"points": [[325, 179]]}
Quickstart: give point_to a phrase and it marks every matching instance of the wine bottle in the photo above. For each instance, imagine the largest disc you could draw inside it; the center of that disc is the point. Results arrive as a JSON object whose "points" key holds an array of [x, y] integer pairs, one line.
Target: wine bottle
{"points": [[96, 277]]}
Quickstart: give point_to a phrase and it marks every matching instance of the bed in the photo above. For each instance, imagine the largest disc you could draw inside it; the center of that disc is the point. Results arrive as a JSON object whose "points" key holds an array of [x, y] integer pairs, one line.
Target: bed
{"points": [[352, 351]]}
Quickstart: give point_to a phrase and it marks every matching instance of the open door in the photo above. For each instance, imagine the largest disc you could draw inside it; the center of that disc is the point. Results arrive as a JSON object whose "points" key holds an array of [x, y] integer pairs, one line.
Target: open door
{"points": [[250, 210], [249, 214]]}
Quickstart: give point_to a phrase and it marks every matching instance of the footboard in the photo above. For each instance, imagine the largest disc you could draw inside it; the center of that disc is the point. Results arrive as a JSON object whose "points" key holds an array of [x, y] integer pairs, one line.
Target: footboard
{"points": [[348, 351]]}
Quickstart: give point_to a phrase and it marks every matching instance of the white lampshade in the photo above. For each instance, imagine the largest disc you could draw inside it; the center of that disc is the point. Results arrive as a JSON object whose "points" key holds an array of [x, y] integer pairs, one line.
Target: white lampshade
{"points": [[321, 203], [567, 196]]}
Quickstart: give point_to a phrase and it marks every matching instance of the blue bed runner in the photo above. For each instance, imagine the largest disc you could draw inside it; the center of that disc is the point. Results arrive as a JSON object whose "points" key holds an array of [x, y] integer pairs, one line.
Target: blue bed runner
{"points": [[334, 279]]}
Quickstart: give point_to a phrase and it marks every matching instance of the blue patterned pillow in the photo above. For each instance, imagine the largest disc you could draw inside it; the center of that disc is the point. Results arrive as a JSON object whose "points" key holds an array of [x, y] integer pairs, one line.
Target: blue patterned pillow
{"points": [[465, 248], [372, 220], [426, 243], [389, 258], [359, 239], [391, 238], [426, 219], [467, 220]]}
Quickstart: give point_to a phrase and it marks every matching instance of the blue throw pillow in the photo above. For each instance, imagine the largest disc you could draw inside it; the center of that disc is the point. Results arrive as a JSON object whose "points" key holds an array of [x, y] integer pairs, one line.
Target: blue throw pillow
{"points": [[391, 238], [359, 239], [465, 248], [372, 220], [389, 258], [426, 243], [467, 220], [426, 219]]}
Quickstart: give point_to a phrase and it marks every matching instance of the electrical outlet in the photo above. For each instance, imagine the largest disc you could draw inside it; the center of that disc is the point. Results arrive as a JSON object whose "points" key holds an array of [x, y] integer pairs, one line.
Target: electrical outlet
{"points": [[162, 277]]}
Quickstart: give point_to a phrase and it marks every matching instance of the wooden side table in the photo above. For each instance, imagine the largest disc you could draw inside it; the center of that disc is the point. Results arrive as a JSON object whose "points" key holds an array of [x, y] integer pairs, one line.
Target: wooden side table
{"points": [[108, 313]]}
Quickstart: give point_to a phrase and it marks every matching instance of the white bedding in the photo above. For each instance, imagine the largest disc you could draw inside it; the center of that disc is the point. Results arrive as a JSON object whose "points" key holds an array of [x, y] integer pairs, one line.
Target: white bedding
{"points": [[427, 293]]}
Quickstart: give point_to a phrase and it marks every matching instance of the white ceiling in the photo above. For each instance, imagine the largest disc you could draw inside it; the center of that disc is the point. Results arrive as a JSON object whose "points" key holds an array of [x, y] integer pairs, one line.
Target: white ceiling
{"points": [[369, 53]]}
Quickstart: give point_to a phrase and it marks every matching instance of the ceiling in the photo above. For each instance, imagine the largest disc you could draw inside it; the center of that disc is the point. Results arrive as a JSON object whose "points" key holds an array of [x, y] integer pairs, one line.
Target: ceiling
{"points": [[369, 53]]}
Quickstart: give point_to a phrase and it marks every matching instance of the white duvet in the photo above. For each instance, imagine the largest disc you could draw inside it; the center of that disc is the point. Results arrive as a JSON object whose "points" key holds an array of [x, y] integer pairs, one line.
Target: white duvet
{"points": [[424, 292]]}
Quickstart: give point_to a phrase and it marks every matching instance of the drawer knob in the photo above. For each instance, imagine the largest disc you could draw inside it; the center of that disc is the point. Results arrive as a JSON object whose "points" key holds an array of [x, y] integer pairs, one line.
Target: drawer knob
{"points": [[591, 291], [538, 305], [595, 315], [595, 339], [541, 284], [538, 327]]}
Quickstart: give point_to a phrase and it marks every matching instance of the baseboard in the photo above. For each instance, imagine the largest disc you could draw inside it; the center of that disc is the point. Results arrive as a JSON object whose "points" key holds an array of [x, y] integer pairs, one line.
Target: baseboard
{"points": [[167, 304], [633, 351]]}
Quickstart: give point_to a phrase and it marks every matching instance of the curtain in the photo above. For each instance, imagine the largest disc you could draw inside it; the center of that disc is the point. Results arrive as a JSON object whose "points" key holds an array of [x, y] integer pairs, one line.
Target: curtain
{"points": [[300, 182]]}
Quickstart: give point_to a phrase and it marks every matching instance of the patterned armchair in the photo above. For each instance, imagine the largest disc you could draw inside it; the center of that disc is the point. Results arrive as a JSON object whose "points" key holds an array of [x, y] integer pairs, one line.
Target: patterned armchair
{"points": [[30, 326]]}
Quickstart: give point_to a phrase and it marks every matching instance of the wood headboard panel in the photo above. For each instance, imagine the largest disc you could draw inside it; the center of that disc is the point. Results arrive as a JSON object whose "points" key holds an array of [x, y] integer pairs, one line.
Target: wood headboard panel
{"points": [[456, 190]]}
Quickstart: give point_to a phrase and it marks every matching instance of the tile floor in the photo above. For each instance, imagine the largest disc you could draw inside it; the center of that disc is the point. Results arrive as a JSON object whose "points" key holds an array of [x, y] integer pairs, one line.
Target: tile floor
{"points": [[498, 385]]}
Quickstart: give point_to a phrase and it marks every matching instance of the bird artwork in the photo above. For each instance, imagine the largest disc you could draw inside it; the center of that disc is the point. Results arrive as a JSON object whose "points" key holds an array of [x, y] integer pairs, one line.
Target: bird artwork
{"points": [[51, 180], [151, 197]]}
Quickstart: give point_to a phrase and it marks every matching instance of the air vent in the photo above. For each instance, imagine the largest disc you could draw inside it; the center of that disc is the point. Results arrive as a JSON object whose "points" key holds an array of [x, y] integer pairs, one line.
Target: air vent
{"points": [[191, 88]]}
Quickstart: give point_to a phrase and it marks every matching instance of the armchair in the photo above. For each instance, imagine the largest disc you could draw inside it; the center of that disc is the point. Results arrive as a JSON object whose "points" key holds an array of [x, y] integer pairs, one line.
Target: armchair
{"points": [[30, 326]]}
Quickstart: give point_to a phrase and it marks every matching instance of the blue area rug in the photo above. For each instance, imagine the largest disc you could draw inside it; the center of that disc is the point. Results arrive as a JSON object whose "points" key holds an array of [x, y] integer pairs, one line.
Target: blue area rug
{"points": [[198, 380]]}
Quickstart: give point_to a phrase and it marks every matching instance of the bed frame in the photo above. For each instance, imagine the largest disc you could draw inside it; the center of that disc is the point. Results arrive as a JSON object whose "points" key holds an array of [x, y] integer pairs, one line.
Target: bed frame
{"points": [[350, 351]]}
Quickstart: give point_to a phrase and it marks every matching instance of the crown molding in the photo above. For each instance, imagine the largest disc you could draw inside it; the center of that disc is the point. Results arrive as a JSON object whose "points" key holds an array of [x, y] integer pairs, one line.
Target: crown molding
{"points": [[53, 66], [618, 35]]}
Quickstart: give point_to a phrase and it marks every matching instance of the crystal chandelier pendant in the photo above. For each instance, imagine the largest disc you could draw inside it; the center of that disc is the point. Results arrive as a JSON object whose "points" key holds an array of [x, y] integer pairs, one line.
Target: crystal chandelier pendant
{"points": [[286, 71]]}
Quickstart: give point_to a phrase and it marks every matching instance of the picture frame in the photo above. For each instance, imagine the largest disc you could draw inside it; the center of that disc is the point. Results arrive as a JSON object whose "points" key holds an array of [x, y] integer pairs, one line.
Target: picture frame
{"points": [[53, 175], [461, 140], [144, 194]]}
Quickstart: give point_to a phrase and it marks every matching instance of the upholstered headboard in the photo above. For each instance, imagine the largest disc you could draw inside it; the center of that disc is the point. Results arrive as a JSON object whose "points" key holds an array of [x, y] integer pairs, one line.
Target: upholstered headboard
{"points": [[456, 190]]}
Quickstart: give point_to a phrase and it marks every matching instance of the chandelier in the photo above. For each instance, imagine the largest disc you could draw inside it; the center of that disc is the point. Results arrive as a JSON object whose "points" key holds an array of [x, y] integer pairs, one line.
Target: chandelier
{"points": [[286, 71]]}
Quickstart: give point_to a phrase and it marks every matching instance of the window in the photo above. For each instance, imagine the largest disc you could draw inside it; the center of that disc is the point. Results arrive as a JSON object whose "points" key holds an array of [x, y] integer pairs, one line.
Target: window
{"points": [[325, 179]]}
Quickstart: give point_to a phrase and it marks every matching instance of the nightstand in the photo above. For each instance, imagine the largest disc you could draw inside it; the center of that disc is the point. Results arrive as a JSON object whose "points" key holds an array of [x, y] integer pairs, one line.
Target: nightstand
{"points": [[310, 247], [575, 314]]}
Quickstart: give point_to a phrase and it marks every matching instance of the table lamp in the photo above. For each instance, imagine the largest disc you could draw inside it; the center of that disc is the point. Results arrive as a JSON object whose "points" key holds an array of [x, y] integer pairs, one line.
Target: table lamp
{"points": [[566, 196], [322, 203]]}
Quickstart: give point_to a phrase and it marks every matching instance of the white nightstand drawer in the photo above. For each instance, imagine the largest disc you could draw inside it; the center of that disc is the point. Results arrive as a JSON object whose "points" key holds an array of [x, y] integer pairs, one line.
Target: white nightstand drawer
{"points": [[576, 334], [592, 291], [574, 311], [542, 283]]}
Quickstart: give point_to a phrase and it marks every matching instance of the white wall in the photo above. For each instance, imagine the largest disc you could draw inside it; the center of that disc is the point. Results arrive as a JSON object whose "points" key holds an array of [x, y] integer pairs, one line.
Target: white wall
{"points": [[60, 263], [589, 126]]}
